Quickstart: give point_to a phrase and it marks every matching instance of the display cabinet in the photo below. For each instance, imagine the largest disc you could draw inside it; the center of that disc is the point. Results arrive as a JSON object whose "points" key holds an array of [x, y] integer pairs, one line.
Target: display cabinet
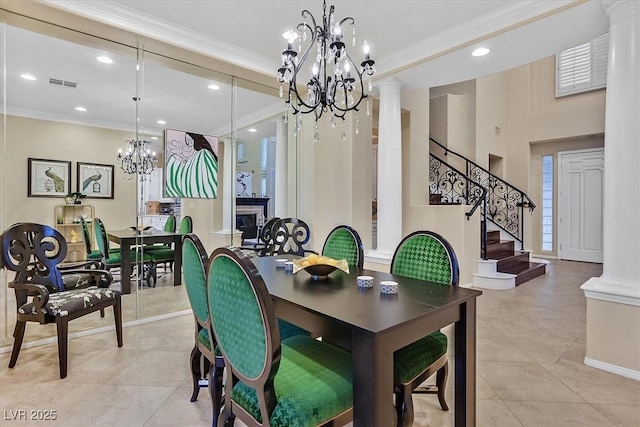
{"points": [[67, 219]]}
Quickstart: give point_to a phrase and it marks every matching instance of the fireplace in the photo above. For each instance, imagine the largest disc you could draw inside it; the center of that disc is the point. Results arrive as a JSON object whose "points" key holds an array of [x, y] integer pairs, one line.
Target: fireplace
{"points": [[250, 216]]}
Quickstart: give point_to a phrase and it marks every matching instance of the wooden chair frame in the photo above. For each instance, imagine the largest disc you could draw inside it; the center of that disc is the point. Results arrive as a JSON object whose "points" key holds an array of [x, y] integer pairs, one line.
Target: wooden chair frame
{"points": [[34, 252]]}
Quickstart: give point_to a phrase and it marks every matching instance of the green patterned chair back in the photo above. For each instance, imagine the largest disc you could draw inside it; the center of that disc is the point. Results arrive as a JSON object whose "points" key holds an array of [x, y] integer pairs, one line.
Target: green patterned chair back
{"points": [[86, 234], [428, 256], [170, 225], [343, 242], [101, 238], [194, 258], [186, 225], [243, 317]]}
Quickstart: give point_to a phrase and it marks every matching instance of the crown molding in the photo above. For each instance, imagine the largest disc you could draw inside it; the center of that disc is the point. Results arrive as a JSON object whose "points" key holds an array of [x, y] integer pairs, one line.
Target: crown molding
{"points": [[472, 31], [143, 24]]}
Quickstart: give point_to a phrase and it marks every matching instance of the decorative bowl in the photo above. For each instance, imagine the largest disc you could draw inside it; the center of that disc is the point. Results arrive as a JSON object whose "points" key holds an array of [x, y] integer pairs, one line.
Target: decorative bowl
{"points": [[318, 266], [320, 271]]}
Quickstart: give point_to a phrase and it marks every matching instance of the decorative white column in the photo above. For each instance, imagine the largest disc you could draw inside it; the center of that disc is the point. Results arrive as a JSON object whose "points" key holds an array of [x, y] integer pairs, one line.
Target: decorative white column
{"points": [[281, 168], [613, 299], [389, 169], [228, 208]]}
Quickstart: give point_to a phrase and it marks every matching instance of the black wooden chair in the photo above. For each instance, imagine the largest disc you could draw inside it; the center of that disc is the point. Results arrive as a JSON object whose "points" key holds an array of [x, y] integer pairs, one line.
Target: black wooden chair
{"points": [[288, 237], [34, 252], [265, 245]]}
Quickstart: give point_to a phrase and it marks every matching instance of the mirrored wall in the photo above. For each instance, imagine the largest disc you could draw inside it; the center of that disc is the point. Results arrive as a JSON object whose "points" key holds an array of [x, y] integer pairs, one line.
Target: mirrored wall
{"points": [[72, 97]]}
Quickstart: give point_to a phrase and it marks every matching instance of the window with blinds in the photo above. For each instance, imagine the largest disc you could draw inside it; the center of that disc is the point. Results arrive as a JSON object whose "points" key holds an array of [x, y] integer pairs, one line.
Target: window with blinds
{"points": [[583, 67]]}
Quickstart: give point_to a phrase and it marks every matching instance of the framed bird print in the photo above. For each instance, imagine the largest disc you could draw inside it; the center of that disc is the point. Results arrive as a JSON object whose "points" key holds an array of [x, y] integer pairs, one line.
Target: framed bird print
{"points": [[48, 178], [95, 181]]}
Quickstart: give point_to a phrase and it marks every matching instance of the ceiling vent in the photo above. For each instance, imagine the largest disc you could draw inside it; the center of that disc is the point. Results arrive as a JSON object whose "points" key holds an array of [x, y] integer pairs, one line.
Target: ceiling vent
{"points": [[64, 83]]}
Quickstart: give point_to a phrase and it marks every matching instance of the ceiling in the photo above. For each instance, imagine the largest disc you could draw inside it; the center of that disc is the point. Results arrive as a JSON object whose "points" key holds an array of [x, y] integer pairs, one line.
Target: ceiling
{"points": [[420, 43]]}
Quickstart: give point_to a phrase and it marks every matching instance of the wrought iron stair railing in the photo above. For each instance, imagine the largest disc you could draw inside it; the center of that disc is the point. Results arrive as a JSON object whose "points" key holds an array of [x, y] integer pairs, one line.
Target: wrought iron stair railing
{"points": [[505, 203], [454, 187]]}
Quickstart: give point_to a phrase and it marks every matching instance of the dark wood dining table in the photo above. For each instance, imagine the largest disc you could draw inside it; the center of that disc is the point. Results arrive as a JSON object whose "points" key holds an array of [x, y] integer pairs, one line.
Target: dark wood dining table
{"points": [[373, 325], [128, 239]]}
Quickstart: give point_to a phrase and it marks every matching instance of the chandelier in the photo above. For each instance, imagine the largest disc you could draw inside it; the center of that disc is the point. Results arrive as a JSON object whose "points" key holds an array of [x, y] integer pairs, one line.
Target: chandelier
{"points": [[335, 83], [138, 158]]}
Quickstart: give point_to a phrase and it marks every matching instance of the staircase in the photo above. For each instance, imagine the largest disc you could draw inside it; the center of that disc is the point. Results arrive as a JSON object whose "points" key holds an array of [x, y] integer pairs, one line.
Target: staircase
{"points": [[505, 267], [459, 180]]}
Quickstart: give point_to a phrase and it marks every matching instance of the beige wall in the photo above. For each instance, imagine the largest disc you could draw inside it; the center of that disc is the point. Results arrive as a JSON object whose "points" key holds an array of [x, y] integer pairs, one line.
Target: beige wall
{"points": [[61, 141], [490, 116], [334, 184], [613, 333], [534, 115]]}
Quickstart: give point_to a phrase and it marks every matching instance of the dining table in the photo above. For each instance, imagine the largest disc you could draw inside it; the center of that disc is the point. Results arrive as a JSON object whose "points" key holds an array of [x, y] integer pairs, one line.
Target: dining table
{"points": [[130, 238], [372, 325]]}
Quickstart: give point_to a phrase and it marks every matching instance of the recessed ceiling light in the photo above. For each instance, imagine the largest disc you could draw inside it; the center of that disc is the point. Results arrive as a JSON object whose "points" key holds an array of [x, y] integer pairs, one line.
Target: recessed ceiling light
{"points": [[481, 51], [161, 122], [154, 138], [81, 109], [252, 130], [105, 59], [213, 87], [28, 77]]}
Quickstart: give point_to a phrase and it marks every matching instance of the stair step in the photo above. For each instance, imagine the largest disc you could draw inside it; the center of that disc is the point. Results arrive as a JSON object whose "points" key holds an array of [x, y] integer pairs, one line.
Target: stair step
{"points": [[500, 250], [493, 236], [518, 260], [527, 272]]}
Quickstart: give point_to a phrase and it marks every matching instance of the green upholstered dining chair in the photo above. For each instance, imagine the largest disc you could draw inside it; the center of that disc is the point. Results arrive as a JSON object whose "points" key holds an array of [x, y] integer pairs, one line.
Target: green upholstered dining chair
{"points": [[298, 381], [427, 256], [114, 259], [343, 242], [92, 254], [194, 259], [165, 254], [35, 252]]}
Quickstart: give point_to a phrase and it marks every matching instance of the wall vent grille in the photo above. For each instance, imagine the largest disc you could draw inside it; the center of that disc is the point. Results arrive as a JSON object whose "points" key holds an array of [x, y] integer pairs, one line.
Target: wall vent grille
{"points": [[63, 83]]}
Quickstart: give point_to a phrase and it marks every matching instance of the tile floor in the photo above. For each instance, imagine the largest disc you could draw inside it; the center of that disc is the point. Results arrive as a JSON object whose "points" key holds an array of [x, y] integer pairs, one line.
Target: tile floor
{"points": [[531, 345]]}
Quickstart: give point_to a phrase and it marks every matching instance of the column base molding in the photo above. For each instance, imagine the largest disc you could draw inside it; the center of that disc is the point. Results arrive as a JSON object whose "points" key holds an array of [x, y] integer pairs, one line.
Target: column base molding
{"points": [[623, 293]]}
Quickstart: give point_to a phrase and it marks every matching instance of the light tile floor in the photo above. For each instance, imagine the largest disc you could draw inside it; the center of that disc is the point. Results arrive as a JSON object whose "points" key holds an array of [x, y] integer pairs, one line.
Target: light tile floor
{"points": [[531, 346]]}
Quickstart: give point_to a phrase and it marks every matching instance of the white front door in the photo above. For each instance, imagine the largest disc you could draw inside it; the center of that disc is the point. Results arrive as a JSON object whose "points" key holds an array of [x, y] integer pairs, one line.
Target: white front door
{"points": [[580, 211]]}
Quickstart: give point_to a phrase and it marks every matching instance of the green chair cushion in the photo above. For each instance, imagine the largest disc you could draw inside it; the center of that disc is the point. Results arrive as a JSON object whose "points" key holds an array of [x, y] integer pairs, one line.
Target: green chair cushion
{"points": [[423, 257], [313, 384], [161, 253], [94, 255], [412, 360], [341, 245], [116, 259], [288, 330]]}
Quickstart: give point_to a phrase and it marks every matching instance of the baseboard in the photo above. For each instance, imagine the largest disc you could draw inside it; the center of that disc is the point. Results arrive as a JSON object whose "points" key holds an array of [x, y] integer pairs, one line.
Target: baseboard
{"points": [[614, 369], [54, 340]]}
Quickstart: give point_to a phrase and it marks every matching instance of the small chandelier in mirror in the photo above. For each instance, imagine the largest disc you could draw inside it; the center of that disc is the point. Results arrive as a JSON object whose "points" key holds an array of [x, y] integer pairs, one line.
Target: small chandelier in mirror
{"points": [[137, 158], [334, 82]]}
